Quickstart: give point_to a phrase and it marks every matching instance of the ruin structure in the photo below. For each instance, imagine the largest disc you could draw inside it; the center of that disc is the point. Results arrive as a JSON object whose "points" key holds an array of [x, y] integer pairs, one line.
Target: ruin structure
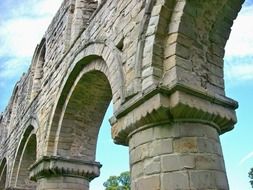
{"points": [[160, 63]]}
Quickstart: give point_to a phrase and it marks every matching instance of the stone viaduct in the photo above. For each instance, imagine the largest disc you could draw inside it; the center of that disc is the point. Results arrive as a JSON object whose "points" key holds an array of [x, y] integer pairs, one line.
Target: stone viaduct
{"points": [[160, 62]]}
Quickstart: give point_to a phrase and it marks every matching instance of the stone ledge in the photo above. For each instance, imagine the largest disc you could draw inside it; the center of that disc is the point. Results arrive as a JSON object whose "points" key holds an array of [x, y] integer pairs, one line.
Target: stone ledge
{"points": [[129, 106], [49, 166], [177, 104]]}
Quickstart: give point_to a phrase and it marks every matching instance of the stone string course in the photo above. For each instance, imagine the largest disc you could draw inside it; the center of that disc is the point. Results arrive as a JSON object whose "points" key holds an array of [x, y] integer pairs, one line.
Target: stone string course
{"points": [[160, 62]]}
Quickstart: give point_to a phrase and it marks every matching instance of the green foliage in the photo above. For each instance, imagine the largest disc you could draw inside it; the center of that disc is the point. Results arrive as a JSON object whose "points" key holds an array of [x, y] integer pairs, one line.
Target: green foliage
{"points": [[251, 177], [121, 182]]}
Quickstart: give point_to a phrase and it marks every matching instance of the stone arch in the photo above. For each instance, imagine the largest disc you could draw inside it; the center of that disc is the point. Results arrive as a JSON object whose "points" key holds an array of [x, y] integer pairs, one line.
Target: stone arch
{"points": [[30, 77], [24, 158], [12, 108], [197, 35], [39, 60], [85, 108], [92, 81], [83, 103], [221, 29], [3, 129], [3, 173], [95, 56], [15, 97], [155, 36], [111, 56]]}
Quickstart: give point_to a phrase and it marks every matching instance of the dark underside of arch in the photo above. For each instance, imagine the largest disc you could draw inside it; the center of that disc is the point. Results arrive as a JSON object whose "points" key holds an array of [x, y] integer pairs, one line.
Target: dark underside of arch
{"points": [[19, 154], [27, 158], [3, 172], [83, 117]]}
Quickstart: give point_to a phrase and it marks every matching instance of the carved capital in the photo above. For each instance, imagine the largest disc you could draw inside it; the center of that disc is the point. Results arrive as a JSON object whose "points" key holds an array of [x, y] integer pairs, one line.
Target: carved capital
{"points": [[177, 104], [49, 166]]}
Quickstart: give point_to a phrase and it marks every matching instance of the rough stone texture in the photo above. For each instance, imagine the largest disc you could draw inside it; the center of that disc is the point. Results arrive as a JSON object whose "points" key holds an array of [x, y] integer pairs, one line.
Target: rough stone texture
{"points": [[160, 62], [184, 166]]}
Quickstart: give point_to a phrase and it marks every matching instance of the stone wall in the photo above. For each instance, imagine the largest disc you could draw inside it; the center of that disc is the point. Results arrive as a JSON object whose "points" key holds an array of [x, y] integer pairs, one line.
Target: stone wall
{"points": [[161, 65]]}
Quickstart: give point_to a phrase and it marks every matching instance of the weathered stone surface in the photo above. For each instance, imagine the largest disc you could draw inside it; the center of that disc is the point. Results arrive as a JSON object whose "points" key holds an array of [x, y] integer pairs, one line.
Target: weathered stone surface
{"points": [[187, 165], [161, 65], [175, 180]]}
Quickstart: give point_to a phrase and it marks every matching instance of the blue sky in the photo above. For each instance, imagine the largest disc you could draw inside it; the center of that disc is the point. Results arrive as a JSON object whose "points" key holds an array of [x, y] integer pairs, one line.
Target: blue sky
{"points": [[22, 25]]}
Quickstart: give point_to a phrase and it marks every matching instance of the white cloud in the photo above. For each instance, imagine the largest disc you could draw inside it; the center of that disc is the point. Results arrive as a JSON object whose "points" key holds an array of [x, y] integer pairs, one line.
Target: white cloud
{"points": [[239, 69], [10, 68], [23, 29], [22, 26], [246, 158], [241, 38], [47, 7], [239, 49], [21, 35], [35, 8]]}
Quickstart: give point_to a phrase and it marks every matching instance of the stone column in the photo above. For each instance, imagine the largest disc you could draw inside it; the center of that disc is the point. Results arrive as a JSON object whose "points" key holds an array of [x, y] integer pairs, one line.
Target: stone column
{"points": [[61, 173], [179, 155], [173, 139]]}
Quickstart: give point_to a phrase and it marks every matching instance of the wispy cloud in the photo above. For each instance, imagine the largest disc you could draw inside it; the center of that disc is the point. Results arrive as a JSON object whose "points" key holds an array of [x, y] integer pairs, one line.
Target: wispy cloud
{"points": [[239, 69], [241, 38], [243, 71], [10, 68], [22, 26], [239, 49], [25, 26], [20, 36], [246, 158]]}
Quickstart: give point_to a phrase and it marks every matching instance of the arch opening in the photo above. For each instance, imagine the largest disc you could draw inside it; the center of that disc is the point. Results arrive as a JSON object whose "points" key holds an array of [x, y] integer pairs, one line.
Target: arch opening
{"points": [[86, 109], [3, 173], [82, 103], [40, 57], [25, 157], [83, 117], [12, 110], [18, 155], [113, 157]]}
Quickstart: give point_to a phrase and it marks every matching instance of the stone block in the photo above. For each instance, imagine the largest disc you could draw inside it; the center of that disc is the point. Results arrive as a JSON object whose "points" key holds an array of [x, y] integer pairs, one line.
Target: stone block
{"points": [[139, 153], [221, 180], [185, 145], [202, 179], [165, 131], [160, 147], [148, 183], [209, 162], [207, 145], [152, 166], [142, 137], [137, 170], [175, 180], [176, 162]]}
